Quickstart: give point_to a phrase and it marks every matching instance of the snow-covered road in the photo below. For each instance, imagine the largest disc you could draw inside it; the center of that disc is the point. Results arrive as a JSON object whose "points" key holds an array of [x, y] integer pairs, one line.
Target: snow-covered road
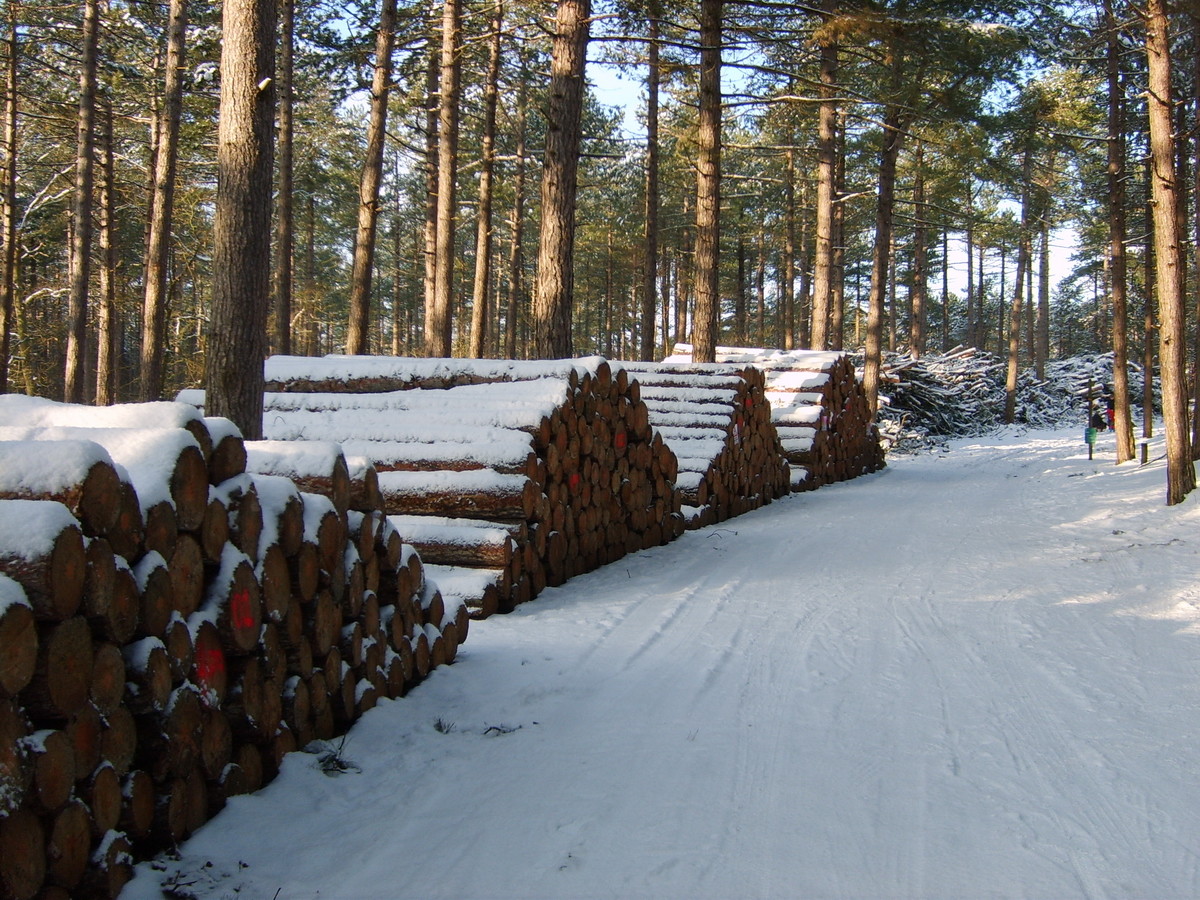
{"points": [[975, 674]]}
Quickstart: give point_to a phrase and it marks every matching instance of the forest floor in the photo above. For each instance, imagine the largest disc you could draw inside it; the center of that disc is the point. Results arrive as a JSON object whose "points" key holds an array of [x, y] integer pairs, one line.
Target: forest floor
{"points": [[974, 674]]}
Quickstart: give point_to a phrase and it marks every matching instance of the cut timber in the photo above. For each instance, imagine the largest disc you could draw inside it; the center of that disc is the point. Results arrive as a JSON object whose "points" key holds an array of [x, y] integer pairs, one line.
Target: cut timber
{"points": [[112, 866], [820, 411], [110, 598], [18, 639], [148, 670], [597, 484], [169, 742], [68, 842], [15, 771], [457, 542], [233, 603], [18, 409], [482, 494], [164, 464], [156, 603], [501, 449], [41, 548], [22, 854], [78, 474], [358, 374], [716, 421], [52, 757], [317, 467], [227, 458], [62, 679]]}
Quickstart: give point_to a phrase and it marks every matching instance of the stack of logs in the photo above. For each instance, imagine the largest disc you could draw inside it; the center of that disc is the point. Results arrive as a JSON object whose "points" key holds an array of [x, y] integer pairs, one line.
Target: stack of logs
{"points": [[718, 423], [506, 476], [171, 624], [819, 409]]}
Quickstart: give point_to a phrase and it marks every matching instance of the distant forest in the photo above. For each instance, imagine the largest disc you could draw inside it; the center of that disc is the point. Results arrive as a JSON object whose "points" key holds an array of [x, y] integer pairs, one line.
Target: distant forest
{"points": [[879, 175]]}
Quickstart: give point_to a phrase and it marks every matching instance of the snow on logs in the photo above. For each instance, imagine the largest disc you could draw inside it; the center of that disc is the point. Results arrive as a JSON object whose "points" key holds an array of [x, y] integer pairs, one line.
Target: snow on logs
{"points": [[508, 476], [718, 424], [178, 609], [819, 409]]}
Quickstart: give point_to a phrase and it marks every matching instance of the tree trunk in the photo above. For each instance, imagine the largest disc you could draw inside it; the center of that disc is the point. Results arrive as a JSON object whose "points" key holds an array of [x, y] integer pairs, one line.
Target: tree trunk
{"points": [[826, 161], [650, 255], [285, 223], [432, 72], [972, 304], [739, 294], [787, 296], [1041, 331], [241, 284], [162, 204], [438, 322], [837, 297], [920, 273], [480, 315], [1014, 317], [760, 288], [554, 296], [358, 327], [516, 262], [893, 136], [1196, 261], [1150, 324], [107, 324], [706, 320], [1181, 473], [81, 239], [8, 223]]}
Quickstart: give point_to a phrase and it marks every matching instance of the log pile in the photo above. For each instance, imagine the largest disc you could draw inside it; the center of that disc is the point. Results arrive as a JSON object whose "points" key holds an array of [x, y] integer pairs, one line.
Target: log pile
{"points": [[717, 421], [172, 623], [507, 476], [819, 409]]}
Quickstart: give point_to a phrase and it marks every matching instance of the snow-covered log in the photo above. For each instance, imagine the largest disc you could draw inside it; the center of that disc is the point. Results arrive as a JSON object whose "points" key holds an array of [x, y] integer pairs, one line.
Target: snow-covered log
{"points": [[181, 646], [560, 453], [819, 410], [715, 420]]}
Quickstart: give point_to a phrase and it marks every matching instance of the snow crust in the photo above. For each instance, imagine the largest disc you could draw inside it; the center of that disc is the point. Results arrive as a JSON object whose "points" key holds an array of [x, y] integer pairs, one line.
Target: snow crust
{"points": [[28, 527], [11, 594], [48, 466], [451, 532], [19, 409], [765, 358], [147, 454], [482, 480], [344, 368], [292, 459], [974, 673]]}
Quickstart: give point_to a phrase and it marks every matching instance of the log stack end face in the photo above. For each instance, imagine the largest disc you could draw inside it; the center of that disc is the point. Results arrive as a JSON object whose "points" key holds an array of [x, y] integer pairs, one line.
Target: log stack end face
{"points": [[819, 409], [157, 606]]}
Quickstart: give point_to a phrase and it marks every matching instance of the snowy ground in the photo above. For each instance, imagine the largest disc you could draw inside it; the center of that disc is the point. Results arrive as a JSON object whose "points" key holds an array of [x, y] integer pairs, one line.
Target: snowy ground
{"points": [[975, 674]]}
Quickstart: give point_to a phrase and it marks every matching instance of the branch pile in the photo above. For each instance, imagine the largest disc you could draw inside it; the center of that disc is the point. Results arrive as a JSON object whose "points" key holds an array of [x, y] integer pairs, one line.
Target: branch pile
{"points": [[172, 622], [507, 476], [717, 421], [819, 411], [961, 394]]}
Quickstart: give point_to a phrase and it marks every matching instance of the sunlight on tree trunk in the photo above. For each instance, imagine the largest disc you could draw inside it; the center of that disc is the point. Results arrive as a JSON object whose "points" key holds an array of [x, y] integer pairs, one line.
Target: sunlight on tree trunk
{"points": [[1181, 472], [233, 364], [708, 187], [554, 296]]}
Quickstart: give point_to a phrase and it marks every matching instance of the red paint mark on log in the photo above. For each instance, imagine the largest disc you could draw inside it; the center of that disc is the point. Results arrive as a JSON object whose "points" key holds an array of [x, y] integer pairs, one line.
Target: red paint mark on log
{"points": [[210, 664], [241, 611]]}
